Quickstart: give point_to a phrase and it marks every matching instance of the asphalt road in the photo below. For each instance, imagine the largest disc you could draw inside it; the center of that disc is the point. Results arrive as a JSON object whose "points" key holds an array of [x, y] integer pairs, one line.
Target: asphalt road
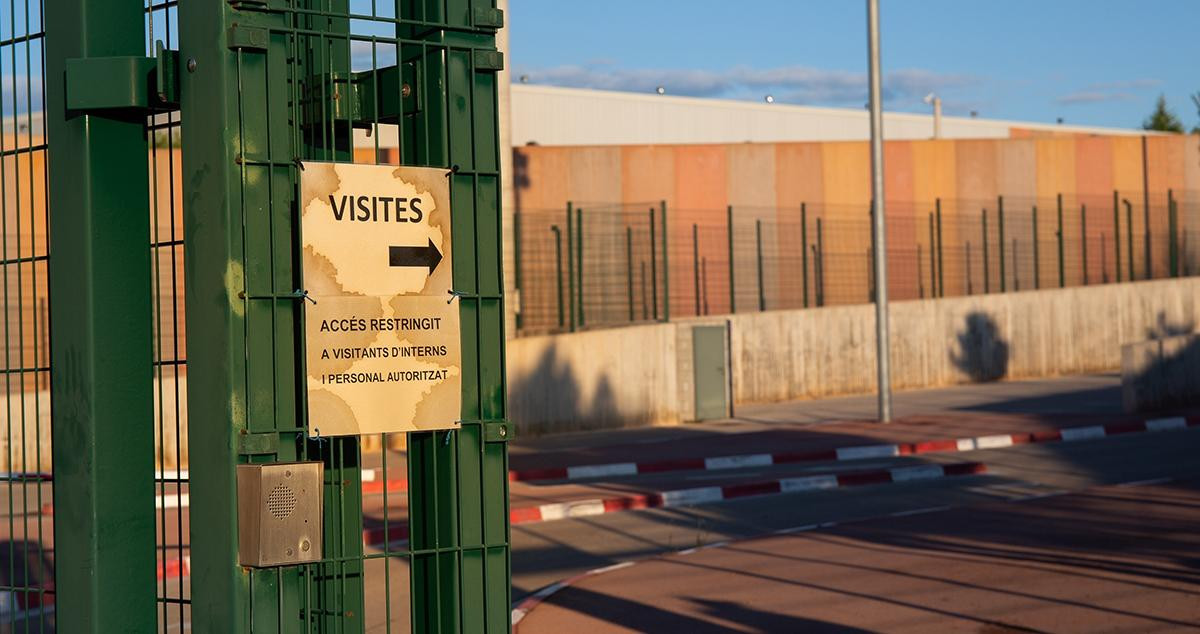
{"points": [[1043, 543]]}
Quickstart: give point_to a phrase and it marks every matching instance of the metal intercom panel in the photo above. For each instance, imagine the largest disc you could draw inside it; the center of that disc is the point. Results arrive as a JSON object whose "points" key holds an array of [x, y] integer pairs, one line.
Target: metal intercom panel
{"points": [[279, 513]]}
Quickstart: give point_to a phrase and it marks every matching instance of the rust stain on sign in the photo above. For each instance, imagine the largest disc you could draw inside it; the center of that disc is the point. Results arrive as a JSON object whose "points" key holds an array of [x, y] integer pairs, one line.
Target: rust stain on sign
{"points": [[382, 342]]}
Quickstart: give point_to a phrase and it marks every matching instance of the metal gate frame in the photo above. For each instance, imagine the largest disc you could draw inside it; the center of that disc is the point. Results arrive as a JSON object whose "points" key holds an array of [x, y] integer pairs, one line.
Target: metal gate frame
{"points": [[262, 86]]}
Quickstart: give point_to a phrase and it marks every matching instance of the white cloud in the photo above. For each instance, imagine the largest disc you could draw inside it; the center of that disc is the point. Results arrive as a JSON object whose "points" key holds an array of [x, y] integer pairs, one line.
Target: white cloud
{"points": [[1108, 91], [1092, 96], [799, 84]]}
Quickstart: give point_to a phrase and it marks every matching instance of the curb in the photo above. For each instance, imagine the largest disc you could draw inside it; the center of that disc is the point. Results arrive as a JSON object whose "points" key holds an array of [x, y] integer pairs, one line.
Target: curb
{"points": [[860, 452], [379, 536]]}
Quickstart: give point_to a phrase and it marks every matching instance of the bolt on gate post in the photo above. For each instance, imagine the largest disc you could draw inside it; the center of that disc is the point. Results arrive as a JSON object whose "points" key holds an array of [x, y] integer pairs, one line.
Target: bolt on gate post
{"points": [[275, 84]]}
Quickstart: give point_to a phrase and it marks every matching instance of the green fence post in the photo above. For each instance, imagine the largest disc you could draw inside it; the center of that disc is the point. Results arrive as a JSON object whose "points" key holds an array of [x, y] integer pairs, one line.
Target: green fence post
{"points": [[571, 266], [579, 261], [729, 234], [970, 286], [662, 207], [933, 289], [762, 297], [653, 268], [1037, 265], [940, 267], [1000, 242], [629, 268], [1016, 269], [1129, 236], [819, 262], [696, 263], [1173, 246], [100, 287], [519, 320], [920, 273], [558, 272], [1062, 274], [804, 250], [987, 283], [1117, 233], [1083, 240]]}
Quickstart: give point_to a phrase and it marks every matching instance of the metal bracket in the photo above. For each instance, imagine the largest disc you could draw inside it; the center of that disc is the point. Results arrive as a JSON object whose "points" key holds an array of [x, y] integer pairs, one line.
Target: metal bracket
{"points": [[488, 17], [247, 38], [135, 86], [498, 431], [365, 98], [257, 444], [489, 60]]}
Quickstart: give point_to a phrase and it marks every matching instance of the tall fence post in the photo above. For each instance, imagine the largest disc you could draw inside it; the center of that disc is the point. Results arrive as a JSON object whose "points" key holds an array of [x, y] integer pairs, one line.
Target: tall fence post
{"points": [[100, 288], [662, 207], [819, 261], [1037, 265], [1172, 237], [970, 286], [804, 250], [653, 268], [518, 319], [933, 289], [1129, 236], [629, 268], [696, 263], [1062, 271], [1083, 240], [1000, 242], [941, 267], [762, 297], [1016, 269], [558, 272], [1117, 233], [729, 235], [579, 261], [571, 265], [987, 281]]}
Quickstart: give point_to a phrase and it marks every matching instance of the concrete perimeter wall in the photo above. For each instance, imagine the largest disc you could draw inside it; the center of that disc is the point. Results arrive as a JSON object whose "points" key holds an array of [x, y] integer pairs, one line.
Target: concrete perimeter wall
{"points": [[642, 375]]}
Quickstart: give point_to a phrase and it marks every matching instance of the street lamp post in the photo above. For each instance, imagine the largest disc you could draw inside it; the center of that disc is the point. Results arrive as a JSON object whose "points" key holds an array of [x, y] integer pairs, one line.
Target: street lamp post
{"points": [[882, 348]]}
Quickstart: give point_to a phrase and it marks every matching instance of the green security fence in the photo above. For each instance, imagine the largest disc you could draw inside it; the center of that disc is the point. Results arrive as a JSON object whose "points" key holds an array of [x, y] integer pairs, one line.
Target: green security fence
{"points": [[182, 127], [595, 264]]}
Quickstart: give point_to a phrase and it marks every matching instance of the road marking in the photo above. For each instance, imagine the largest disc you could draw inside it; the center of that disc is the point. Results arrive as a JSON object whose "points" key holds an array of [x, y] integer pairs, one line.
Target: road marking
{"points": [[1082, 433], [687, 497], [1142, 483], [919, 472], [1166, 424], [808, 483], [738, 462], [999, 441], [931, 509], [869, 451], [602, 470]]}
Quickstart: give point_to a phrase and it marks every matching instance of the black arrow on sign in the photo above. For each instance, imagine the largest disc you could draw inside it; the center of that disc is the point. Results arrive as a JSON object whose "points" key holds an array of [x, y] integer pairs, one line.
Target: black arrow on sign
{"points": [[415, 256]]}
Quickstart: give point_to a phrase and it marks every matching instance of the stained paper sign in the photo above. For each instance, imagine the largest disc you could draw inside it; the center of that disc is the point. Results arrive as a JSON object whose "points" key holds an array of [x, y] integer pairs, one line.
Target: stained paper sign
{"points": [[382, 340]]}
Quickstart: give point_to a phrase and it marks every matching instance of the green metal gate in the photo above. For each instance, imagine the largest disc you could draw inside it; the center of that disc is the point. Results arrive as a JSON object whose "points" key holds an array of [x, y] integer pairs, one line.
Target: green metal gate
{"points": [[185, 126]]}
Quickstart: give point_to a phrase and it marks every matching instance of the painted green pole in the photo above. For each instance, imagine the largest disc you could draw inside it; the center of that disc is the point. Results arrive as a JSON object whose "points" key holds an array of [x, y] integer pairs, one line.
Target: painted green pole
{"points": [[629, 268], [940, 267], [1129, 236], [100, 287], [579, 261], [804, 250], [1037, 264], [653, 268], [987, 283], [519, 320], [1083, 240], [920, 273], [970, 286], [1000, 242], [1062, 272], [1016, 269], [762, 296], [662, 207], [1172, 237], [729, 235], [571, 265], [558, 272], [933, 289], [1117, 233], [819, 261], [696, 263]]}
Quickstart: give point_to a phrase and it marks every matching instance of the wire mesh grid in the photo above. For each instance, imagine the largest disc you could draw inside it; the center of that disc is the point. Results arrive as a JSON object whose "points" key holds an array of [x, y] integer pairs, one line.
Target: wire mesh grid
{"points": [[26, 552], [744, 259]]}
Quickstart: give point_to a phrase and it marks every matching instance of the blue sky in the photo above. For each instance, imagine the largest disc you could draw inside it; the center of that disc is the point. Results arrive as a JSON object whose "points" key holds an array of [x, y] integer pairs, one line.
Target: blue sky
{"points": [[1097, 62]]}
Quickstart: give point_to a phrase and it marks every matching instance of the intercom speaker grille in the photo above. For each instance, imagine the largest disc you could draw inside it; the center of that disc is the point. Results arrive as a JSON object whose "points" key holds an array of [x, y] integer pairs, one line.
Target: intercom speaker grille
{"points": [[281, 501]]}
